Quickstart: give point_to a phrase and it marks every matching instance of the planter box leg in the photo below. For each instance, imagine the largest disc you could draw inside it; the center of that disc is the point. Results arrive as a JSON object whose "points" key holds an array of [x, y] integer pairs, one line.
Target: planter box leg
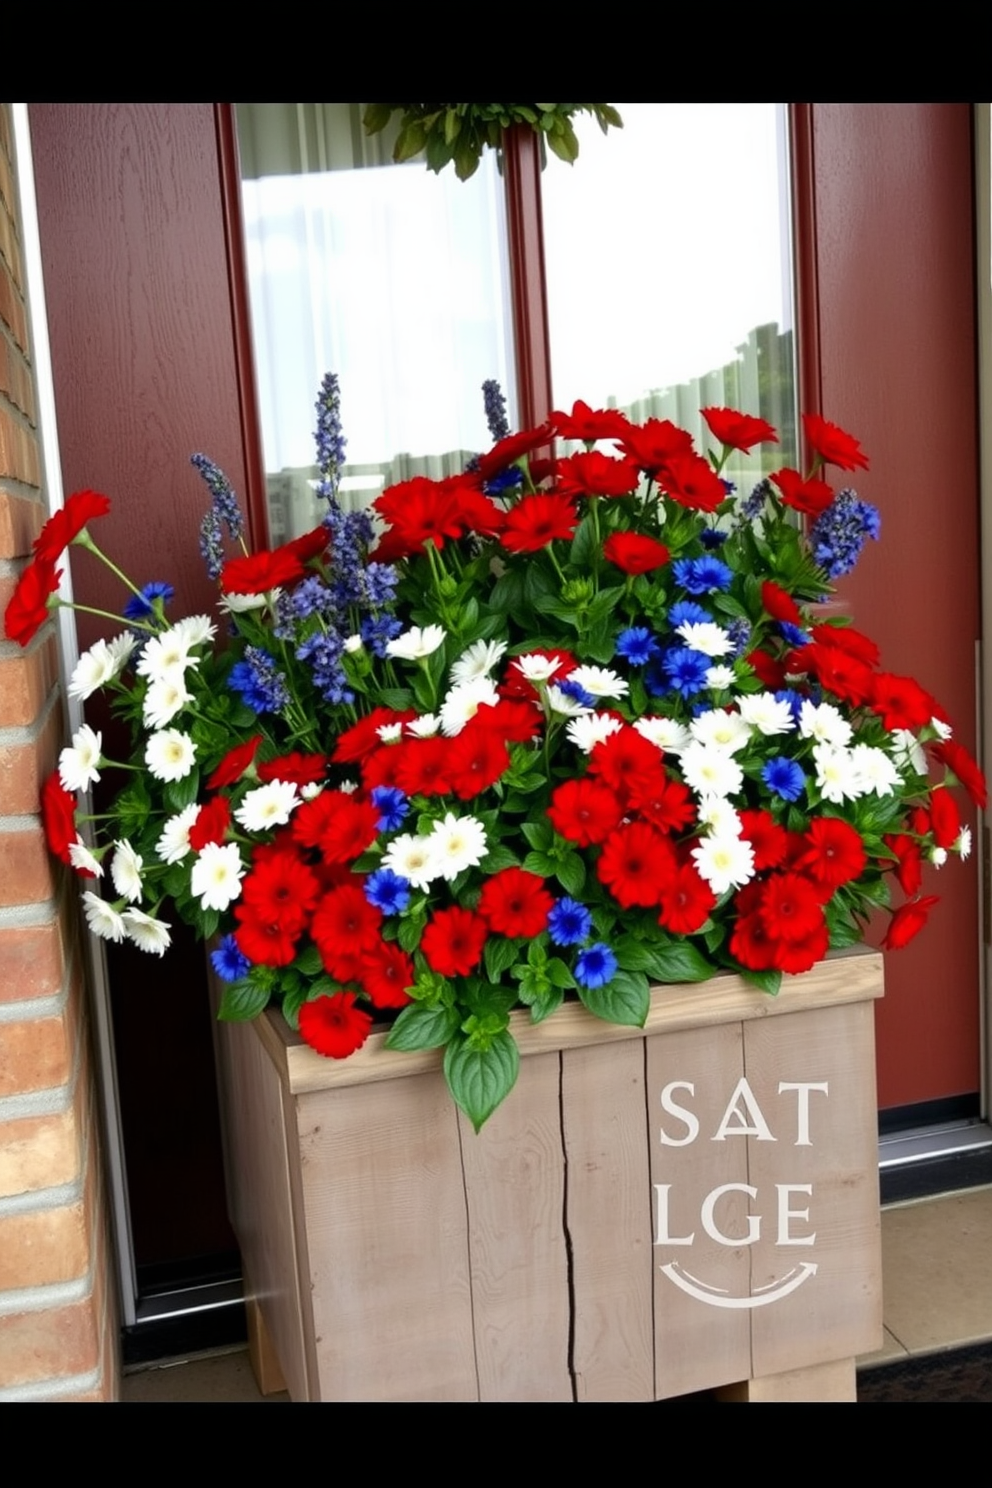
{"points": [[820, 1382], [262, 1355]]}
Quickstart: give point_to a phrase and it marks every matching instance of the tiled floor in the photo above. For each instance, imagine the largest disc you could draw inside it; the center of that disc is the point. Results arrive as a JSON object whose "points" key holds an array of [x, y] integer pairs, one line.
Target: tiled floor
{"points": [[936, 1273]]}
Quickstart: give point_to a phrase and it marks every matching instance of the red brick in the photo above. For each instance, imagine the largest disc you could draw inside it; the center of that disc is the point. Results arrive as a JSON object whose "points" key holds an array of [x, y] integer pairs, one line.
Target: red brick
{"points": [[25, 767], [25, 867], [32, 961], [18, 448], [26, 679]]}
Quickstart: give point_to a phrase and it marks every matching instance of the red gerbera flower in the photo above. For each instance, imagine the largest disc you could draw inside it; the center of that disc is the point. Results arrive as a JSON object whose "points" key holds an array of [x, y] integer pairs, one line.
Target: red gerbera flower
{"points": [[655, 442], [211, 824], [536, 521], [417, 510], [908, 867], [453, 942], [836, 853], [691, 481], [584, 811], [838, 671], [363, 737], [596, 474], [58, 814], [421, 766], [809, 496], [515, 903], [667, 804], [945, 820], [846, 638], [339, 825], [264, 942], [344, 927], [767, 669], [590, 424], [833, 445], [260, 572], [741, 431], [513, 448], [908, 920], [281, 890], [334, 1025], [957, 759], [766, 837], [900, 702], [28, 608], [386, 973], [634, 554], [637, 864], [294, 769], [63, 527], [476, 759], [627, 761], [685, 902], [234, 764], [780, 604], [790, 907]]}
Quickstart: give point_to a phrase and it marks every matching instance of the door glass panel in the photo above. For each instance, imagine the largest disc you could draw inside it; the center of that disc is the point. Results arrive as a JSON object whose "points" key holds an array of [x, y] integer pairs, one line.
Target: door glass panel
{"points": [[392, 277], [669, 268]]}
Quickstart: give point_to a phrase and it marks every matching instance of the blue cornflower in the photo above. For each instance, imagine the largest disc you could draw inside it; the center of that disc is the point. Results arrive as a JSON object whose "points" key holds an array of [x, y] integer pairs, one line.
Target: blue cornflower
{"points": [[328, 435], [839, 533], [577, 693], [228, 961], [569, 923], [687, 612], [784, 778], [794, 700], [512, 476], [712, 537], [702, 575], [141, 606], [387, 891], [686, 669], [637, 645], [393, 804], [793, 634], [257, 678], [495, 404], [595, 966]]}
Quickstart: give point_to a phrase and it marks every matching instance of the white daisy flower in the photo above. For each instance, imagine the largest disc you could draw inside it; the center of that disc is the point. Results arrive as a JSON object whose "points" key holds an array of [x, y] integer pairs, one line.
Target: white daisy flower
{"points": [[907, 750], [962, 845], [721, 730], [102, 918], [724, 862], [599, 682], [764, 712], [458, 842], [147, 933], [240, 604], [938, 856], [591, 729], [877, 771], [94, 669], [424, 727], [941, 729], [463, 702], [704, 636], [837, 775], [413, 858], [477, 661], [78, 762], [664, 733], [824, 723], [173, 845], [217, 874], [83, 860], [537, 668], [416, 643], [164, 699], [196, 629], [125, 870], [720, 678], [268, 806], [390, 733], [170, 754], [353, 645], [717, 815], [121, 648], [560, 702], [711, 772], [166, 655]]}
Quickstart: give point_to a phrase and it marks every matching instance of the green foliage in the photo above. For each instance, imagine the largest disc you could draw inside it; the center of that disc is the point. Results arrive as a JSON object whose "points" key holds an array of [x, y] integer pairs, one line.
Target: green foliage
{"points": [[459, 132]]}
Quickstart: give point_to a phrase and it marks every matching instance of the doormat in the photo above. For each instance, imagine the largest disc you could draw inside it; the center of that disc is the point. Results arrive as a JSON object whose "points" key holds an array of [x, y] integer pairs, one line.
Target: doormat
{"points": [[963, 1374]]}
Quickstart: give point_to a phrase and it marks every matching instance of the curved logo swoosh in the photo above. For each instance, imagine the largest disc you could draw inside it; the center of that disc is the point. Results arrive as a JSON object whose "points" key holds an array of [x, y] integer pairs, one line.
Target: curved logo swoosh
{"points": [[702, 1294]]}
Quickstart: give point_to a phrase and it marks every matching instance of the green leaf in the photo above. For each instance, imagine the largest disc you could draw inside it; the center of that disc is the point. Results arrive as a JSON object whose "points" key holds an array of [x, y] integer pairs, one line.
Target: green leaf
{"points": [[625, 999], [540, 863], [308, 961], [497, 859], [178, 794], [570, 872], [558, 974], [540, 834], [543, 1007], [500, 954], [241, 1001], [480, 1078], [421, 1027], [679, 962], [410, 931], [766, 981]]}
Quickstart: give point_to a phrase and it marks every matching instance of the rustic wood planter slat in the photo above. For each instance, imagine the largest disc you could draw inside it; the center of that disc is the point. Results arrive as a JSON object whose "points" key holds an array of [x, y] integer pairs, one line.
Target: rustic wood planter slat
{"points": [[632, 1224]]}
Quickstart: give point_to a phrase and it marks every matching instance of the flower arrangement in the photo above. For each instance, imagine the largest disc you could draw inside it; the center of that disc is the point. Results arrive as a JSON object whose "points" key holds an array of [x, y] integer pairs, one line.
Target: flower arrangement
{"points": [[564, 725]]}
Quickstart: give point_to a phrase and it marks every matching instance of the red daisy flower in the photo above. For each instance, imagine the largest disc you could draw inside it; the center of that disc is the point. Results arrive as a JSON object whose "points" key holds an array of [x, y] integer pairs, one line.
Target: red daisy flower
{"points": [[421, 766], [767, 669], [635, 554], [766, 837], [281, 890], [28, 608], [387, 972], [900, 702], [417, 510], [809, 496], [833, 445], [515, 903], [627, 761], [667, 804], [363, 737], [584, 811], [836, 853], [945, 819], [266, 943], [596, 474], [334, 1025], [536, 521], [691, 481], [211, 824], [453, 942], [655, 442], [476, 759], [741, 431], [685, 902], [58, 814], [63, 527], [234, 764], [339, 825], [791, 907], [344, 927], [513, 448], [908, 921], [780, 604], [294, 769], [957, 759], [589, 424], [846, 638], [908, 867], [260, 572], [637, 865]]}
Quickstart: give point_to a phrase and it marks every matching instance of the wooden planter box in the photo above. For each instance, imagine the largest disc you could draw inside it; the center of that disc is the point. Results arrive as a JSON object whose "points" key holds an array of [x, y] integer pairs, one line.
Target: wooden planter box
{"points": [[651, 1212]]}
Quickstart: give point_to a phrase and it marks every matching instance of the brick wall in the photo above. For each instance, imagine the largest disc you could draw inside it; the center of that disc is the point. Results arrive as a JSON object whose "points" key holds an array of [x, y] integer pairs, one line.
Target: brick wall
{"points": [[58, 1311]]}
